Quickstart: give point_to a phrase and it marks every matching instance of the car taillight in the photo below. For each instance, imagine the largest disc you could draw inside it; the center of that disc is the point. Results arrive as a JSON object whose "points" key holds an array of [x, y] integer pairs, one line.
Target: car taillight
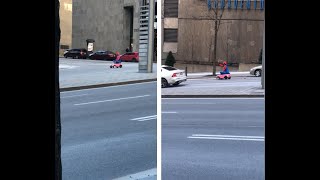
{"points": [[174, 75]]}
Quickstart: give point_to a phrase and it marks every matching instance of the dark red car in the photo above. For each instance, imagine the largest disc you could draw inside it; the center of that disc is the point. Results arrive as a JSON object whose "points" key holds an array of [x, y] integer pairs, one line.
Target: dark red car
{"points": [[103, 55], [130, 56]]}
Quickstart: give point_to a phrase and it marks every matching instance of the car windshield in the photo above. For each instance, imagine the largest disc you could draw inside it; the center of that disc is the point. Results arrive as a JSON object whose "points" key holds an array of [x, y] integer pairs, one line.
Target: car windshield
{"points": [[169, 68]]}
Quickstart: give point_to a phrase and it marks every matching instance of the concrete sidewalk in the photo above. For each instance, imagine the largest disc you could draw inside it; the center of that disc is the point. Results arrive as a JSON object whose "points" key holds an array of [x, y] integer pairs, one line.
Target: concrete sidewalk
{"points": [[207, 86], [83, 74], [208, 74]]}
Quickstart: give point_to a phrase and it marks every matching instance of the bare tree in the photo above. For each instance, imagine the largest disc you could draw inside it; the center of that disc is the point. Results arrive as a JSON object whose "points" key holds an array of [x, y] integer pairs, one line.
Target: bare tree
{"points": [[58, 166], [216, 9]]}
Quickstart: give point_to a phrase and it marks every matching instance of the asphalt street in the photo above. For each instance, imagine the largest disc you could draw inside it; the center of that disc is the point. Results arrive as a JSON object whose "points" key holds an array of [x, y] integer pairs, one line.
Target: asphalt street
{"points": [[109, 132], [212, 139]]}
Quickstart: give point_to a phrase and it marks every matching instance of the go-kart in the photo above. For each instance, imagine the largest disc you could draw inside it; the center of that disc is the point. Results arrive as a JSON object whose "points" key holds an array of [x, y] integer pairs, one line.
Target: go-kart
{"points": [[116, 65], [223, 76]]}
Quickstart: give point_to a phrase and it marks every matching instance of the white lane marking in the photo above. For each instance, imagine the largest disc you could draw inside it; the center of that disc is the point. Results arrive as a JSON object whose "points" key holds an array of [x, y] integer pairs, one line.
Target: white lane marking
{"points": [[227, 137], [189, 103], [168, 112], [74, 96], [237, 139], [151, 173], [109, 100], [108, 87], [231, 136], [146, 118], [239, 98]]}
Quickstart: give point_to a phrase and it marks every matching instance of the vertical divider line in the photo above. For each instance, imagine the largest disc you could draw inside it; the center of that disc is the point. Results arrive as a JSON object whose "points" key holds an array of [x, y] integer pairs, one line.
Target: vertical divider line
{"points": [[159, 54]]}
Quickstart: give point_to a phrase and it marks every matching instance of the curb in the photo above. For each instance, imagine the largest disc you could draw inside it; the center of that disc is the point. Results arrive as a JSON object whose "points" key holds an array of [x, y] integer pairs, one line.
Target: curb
{"points": [[106, 85], [214, 96], [214, 77]]}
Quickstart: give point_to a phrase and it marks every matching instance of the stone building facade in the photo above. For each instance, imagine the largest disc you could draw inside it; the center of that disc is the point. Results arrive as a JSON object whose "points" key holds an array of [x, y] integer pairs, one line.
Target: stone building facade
{"points": [[112, 24], [65, 13], [188, 31]]}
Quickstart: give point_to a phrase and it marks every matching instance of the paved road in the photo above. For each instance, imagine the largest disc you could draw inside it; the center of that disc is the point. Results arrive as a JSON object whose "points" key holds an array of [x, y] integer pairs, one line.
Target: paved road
{"points": [[209, 139], [80, 72], [237, 85], [104, 134]]}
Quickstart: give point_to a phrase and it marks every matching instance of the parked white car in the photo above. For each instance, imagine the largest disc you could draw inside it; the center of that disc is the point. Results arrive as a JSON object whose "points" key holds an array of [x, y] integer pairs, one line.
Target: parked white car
{"points": [[257, 71], [171, 76]]}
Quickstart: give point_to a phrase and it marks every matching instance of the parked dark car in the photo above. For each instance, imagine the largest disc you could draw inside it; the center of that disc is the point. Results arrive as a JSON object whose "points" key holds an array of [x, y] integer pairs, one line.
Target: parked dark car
{"points": [[103, 55], [76, 53]]}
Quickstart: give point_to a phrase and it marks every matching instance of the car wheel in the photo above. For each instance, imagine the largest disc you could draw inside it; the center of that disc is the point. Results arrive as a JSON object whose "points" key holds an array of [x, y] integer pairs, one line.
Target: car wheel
{"points": [[134, 60], [164, 83], [257, 73]]}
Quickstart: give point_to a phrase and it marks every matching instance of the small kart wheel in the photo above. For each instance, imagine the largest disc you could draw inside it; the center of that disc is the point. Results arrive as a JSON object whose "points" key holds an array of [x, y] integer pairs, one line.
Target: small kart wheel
{"points": [[225, 77], [120, 66]]}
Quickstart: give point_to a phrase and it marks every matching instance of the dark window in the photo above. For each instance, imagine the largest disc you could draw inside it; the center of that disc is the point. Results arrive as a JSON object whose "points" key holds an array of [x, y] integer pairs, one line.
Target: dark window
{"points": [[64, 46], [170, 35], [169, 68], [171, 8]]}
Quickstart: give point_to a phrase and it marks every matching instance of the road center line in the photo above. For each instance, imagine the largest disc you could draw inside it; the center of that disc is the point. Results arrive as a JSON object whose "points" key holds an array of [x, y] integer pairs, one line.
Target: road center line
{"points": [[109, 100]]}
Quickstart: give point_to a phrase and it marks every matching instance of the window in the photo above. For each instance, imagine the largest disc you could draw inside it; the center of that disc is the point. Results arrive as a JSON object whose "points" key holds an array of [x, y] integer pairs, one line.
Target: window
{"points": [[171, 8], [170, 35], [169, 68], [64, 46]]}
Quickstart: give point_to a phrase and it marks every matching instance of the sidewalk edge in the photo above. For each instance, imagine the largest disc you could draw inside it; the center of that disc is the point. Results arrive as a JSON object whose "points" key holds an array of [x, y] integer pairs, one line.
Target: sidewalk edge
{"points": [[105, 85]]}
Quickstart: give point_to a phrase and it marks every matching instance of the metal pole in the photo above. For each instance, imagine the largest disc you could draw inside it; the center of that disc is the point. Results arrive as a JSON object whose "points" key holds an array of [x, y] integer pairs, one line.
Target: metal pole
{"points": [[151, 36]]}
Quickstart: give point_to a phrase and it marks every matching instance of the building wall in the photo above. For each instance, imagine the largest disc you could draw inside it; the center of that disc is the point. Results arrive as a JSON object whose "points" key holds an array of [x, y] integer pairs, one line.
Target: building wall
{"points": [[65, 13], [105, 21], [240, 36]]}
